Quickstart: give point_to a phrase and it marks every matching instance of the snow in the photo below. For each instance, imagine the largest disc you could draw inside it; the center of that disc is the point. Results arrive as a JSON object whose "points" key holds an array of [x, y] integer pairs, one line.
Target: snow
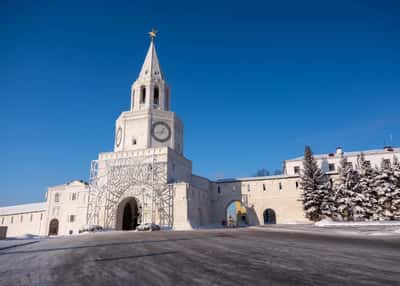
{"points": [[25, 208], [329, 222]]}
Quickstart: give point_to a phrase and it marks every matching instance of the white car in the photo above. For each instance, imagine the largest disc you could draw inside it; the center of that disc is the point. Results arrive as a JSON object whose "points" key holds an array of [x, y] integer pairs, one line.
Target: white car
{"points": [[148, 227]]}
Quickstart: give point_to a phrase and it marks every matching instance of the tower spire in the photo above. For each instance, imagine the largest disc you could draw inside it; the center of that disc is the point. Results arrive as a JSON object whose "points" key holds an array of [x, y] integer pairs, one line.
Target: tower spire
{"points": [[151, 69]]}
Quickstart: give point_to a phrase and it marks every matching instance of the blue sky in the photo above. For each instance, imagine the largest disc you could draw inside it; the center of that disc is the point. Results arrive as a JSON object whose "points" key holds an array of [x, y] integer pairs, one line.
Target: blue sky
{"points": [[253, 82]]}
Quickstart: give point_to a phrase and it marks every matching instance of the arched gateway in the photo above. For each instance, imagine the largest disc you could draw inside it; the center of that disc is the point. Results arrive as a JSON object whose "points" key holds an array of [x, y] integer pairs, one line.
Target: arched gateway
{"points": [[269, 216], [127, 214]]}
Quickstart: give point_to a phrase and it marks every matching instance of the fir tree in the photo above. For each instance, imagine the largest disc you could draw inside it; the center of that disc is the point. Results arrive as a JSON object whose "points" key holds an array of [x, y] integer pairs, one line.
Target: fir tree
{"points": [[345, 194], [367, 199], [396, 193], [315, 188]]}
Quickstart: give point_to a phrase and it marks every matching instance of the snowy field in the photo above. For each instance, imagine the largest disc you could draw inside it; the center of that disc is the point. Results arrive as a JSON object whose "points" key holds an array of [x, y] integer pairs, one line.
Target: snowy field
{"points": [[270, 255]]}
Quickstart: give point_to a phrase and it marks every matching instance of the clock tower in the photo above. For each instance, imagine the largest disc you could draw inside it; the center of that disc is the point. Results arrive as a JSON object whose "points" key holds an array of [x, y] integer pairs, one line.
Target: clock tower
{"points": [[149, 123]]}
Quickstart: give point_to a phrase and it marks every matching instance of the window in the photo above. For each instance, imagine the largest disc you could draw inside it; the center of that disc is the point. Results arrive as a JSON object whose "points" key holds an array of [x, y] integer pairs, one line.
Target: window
{"points": [[31, 217], [143, 95], [156, 100], [41, 216], [280, 186], [56, 211], [22, 218], [73, 197], [134, 142], [71, 218], [331, 167], [296, 170], [264, 188], [2, 220], [219, 189], [297, 184], [248, 187], [386, 163], [57, 197]]}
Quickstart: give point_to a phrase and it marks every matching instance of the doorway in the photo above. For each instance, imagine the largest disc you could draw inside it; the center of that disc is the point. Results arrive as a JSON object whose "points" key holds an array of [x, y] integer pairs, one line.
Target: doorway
{"points": [[53, 227]]}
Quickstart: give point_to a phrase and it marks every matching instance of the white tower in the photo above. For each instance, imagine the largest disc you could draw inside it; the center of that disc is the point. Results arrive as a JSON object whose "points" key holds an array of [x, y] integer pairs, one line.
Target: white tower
{"points": [[149, 123]]}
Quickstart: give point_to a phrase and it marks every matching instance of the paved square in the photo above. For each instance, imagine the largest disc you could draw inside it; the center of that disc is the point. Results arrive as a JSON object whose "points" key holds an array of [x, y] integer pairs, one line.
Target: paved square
{"points": [[249, 256]]}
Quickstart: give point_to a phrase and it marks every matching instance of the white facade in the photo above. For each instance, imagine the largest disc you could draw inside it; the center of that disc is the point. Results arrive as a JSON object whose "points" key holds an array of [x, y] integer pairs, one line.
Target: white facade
{"points": [[329, 163], [147, 178], [65, 204]]}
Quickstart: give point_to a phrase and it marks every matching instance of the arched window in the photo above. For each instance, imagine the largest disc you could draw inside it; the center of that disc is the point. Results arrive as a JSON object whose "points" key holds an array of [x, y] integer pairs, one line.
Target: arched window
{"points": [[142, 94], [57, 198], [156, 96]]}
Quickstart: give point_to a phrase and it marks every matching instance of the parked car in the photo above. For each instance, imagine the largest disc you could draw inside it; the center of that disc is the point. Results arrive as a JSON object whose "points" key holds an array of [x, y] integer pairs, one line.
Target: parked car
{"points": [[90, 228], [148, 227]]}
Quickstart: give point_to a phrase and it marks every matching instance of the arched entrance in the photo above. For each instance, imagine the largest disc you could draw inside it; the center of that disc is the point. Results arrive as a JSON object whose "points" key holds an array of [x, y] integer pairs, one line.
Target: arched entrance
{"points": [[236, 214], [53, 227], [127, 214], [269, 216]]}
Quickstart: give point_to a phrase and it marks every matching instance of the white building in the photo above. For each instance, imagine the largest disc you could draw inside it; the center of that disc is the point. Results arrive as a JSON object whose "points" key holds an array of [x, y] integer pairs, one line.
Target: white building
{"points": [[329, 163], [147, 179], [63, 212]]}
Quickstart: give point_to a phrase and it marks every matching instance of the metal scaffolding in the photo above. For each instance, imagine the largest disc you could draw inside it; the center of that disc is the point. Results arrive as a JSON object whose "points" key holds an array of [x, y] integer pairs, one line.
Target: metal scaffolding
{"points": [[142, 177]]}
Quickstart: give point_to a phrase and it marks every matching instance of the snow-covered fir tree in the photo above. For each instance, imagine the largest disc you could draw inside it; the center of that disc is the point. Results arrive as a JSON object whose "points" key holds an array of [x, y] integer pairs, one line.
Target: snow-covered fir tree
{"points": [[386, 191], [315, 187], [345, 194], [367, 184], [396, 194]]}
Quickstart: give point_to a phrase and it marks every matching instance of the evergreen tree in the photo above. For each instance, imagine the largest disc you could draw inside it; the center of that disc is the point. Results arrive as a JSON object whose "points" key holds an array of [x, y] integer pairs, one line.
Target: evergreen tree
{"points": [[396, 193], [315, 188], [345, 194], [367, 199]]}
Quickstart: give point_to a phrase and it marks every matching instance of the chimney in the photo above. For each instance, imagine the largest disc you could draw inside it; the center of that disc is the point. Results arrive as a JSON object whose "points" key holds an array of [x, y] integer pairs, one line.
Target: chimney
{"points": [[388, 148], [339, 151]]}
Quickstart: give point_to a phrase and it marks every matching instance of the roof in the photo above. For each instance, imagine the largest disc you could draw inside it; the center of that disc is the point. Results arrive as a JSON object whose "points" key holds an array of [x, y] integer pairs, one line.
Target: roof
{"points": [[25, 208], [151, 67], [352, 153], [261, 178]]}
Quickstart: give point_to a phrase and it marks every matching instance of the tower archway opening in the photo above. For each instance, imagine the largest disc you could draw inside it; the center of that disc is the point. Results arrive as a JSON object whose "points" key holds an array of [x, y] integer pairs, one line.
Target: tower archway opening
{"points": [[127, 214], [143, 95], [156, 100]]}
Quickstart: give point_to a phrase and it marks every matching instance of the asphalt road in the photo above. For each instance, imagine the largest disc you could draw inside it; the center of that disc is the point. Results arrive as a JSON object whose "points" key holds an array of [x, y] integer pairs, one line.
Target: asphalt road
{"points": [[265, 256]]}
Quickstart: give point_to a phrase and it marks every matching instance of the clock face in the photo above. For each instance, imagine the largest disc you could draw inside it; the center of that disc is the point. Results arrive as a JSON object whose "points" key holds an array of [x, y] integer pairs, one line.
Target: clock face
{"points": [[118, 136], [161, 131]]}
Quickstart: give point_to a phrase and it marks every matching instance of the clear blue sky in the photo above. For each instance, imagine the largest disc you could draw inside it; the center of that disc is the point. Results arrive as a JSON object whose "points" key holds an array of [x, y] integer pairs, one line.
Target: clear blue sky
{"points": [[252, 81]]}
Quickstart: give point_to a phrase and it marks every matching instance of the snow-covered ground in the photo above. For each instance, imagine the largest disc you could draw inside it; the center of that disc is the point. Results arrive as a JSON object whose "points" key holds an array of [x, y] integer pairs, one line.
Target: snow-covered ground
{"points": [[327, 223], [341, 229]]}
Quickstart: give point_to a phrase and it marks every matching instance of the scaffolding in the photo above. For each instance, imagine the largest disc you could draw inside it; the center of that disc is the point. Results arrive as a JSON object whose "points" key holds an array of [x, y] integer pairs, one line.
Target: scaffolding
{"points": [[142, 177]]}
